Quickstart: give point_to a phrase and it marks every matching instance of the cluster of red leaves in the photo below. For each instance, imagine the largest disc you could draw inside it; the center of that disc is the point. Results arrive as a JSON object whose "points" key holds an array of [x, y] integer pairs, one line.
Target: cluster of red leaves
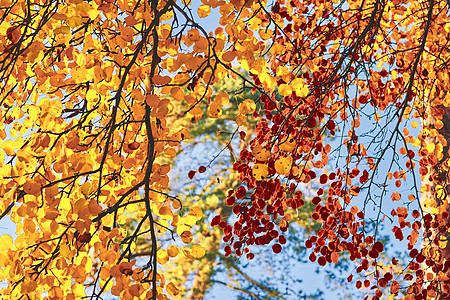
{"points": [[262, 204]]}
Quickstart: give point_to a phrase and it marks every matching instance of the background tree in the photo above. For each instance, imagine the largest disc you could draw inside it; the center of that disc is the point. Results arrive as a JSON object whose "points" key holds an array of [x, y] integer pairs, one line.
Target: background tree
{"points": [[207, 188]]}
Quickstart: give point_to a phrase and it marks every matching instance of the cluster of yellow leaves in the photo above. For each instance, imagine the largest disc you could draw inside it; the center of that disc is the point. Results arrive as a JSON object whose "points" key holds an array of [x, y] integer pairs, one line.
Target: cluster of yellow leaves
{"points": [[83, 106]]}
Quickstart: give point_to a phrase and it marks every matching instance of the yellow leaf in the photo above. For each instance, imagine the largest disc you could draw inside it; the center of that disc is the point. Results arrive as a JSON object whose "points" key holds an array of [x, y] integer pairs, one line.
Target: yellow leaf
{"points": [[247, 107], [254, 23], [431, 147], [122, 219], [283, 165], [162, 256], [260, 153], [260, 171], [198, 251], [4, 260], [108, 221], [163, 224], [64, 204], [196, 212], [74, 21], [62, 30], [172, 251], [300, 88], [222, 98], [287, 144], [187, 237], [92, 95], [6, 242], [86, 189], [8, 147], [28, 287], [203, 11], [64, 250], [172, 289], [84, 7], [93, 13], [285, 90], [23, 155], [189, 220], [240, 120]]}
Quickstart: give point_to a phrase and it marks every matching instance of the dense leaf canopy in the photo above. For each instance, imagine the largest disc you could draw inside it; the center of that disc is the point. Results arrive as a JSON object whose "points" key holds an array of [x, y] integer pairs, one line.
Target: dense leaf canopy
{"points": [[331, 116]]}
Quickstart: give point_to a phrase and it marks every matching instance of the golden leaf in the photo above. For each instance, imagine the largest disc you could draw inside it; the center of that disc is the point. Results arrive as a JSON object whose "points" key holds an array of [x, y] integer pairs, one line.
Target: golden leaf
{"points": [[203, 11], [247, 107], [28, 287], [172, 251], [172, 289], [6, 242], [260, 153], [287, 144], [187, 237], [162, 257], [283, 165], [260, 171]]}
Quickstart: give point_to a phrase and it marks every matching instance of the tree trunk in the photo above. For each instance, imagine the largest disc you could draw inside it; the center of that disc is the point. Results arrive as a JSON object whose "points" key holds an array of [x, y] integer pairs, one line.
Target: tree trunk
{"points": [[202, 280]]}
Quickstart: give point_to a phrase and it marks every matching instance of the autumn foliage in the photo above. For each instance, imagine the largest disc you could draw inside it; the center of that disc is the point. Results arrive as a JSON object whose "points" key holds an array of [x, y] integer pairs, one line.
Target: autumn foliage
{"points": [[349, 102]]}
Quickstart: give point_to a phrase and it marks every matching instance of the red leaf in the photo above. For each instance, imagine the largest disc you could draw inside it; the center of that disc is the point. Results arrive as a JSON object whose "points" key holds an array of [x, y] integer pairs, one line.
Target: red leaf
{"points": [[323, 178], [240, 192], [276, 248], [378, 246], [215, 221], [242, 135], [231, 201], [191, 174], [322, 261]]}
